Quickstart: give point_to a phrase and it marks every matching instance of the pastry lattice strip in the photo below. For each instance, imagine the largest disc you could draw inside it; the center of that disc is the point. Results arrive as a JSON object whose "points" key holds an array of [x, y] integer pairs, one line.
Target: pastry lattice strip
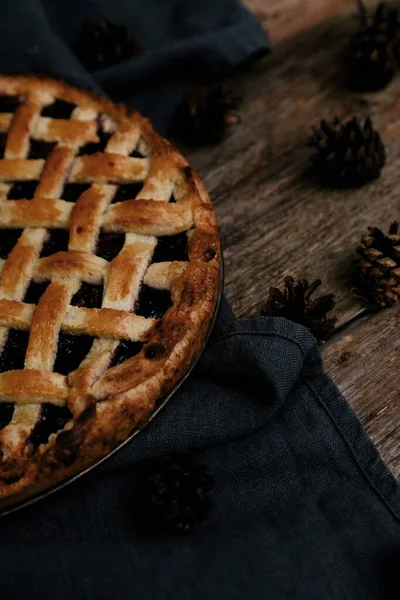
{"points": [[141, 220]]}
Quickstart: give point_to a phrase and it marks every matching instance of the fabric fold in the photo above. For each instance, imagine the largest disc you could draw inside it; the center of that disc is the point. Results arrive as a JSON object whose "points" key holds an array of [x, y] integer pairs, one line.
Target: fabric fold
{"points": [[184, 43]]}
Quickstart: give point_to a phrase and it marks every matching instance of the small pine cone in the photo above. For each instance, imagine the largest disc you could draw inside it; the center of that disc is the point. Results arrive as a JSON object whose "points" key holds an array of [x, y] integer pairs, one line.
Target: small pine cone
{"points": [[176, 493], [347, 153], [103, 44], [379, 265], [295, 304], [205, 115], [373, 53]]}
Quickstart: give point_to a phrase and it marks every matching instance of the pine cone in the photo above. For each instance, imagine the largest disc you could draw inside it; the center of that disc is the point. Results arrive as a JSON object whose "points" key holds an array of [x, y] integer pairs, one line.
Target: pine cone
{"points": [[204, 115], [379, 265], [373, 53], [296, 305], [176, 493], [100, 45], [348, 153]]}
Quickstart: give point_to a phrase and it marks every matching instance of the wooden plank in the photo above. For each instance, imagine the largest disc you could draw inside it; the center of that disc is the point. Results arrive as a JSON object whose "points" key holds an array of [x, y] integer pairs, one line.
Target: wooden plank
{"points": [[365, 364], [285, 18], [276, 219]]}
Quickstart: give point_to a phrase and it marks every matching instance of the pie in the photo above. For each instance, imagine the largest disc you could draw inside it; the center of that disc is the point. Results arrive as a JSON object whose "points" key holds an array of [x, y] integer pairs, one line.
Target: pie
{"points": [[109, 277]]}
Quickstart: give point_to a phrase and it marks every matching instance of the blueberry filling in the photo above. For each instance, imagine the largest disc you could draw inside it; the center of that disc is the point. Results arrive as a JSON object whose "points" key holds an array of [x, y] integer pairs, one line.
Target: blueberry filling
{"points": [[6, 413], [51, 419], [127, 191], [136, 154], [72, 191], [109, 244], [170, 248], [60, 109], [88, 296], [35, 291], [13, 355], [8, 239], [93, 147], [154, 351], [72, 349], [22, 189], [9, 104], [3, 139], [57, 241], [209, 254], [153, 304], [124, 351], [40, 148]]}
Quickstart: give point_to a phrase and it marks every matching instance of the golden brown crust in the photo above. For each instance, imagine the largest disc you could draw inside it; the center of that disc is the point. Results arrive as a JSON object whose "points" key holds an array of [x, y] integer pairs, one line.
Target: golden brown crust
{"points": [[22, 122], [69, 132], [20, 169], [106, 403], [108, 167], [25, 386], [53, 175], [108, 323], [150, 217]]}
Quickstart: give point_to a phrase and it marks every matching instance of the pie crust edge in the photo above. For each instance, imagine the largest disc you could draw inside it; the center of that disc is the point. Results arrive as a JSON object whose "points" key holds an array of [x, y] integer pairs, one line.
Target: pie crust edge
{"points": [[175, 342]]}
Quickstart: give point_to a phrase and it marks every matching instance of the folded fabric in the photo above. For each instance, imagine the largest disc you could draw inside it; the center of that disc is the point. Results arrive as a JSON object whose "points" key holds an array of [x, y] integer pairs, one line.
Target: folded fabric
{"points": [[184, 41], [303, 505]]}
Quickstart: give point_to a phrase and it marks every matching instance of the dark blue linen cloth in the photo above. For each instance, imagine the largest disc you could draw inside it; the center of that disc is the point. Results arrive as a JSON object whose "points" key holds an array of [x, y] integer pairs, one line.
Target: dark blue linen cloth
{"points": [[185, 41], [303, 506]]}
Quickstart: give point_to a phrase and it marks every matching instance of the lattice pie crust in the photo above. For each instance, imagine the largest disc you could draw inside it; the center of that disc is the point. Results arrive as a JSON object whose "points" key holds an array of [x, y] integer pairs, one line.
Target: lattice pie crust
{"points": [[108, 279]]}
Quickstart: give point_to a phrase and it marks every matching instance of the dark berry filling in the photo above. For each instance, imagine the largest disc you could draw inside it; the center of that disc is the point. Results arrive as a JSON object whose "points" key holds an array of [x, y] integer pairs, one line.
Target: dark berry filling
{"points": [[3, 139], [22, 189], [88, 296], [72, 191], [127, 191], [170, 248], [154, 351], [136, 154], [153, 304], [51, 419], [9, 104], [109, 244], [13, 355], [6, 413], [60, 109], [72, 349], [40, 148], [124, 351], [35, 291], [93, 147], [57, 241], [8, 239]]}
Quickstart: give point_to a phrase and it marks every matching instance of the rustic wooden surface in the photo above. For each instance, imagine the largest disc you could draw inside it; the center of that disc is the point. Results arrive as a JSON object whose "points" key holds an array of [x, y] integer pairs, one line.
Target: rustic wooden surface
{"points": [[276, 219]]}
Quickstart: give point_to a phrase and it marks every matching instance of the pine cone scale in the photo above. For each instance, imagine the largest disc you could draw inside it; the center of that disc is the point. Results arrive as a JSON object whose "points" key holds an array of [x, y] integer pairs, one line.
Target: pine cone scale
{"points": [[205, 115], [347, 153], [295, 304], [103, 44], [177, 493], [379, 265], [373, 53]]}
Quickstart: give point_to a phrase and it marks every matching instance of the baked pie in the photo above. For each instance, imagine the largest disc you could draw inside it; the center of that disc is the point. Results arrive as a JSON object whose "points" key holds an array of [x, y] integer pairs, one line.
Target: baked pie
{"points": [[109, 277]]}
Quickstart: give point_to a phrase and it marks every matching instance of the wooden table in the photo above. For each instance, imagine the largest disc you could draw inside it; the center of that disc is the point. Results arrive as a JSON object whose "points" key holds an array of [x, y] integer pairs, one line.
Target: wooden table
{"points": [[275, 220]]}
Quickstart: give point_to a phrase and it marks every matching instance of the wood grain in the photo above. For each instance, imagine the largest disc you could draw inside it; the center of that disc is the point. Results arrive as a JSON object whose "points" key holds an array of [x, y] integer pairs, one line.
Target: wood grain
{"points": [[276, 219], [364, 363], [284, 18]]}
